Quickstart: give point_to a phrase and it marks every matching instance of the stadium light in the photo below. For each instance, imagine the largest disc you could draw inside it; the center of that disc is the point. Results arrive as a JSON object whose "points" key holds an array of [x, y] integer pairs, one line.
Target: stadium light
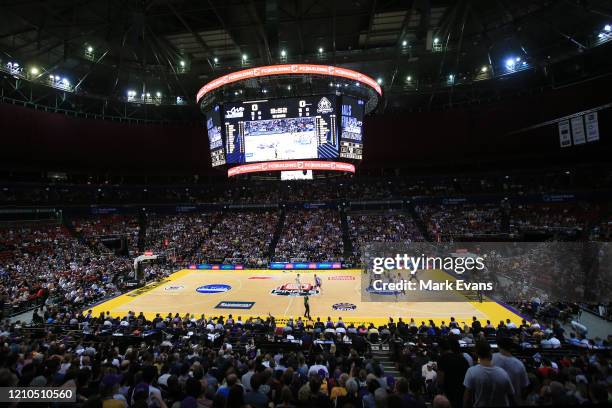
{"points": [[158, 94], [34, 71], [182, 63], [265, 91], [65, 81], [283, 53], [89, 49], [216, 60], [289, 87], [436, 40], [607, 28], [148, 95], [379, 80], [409, 78], [320, 50], [404, 43], [244, 57], [483, 69]]}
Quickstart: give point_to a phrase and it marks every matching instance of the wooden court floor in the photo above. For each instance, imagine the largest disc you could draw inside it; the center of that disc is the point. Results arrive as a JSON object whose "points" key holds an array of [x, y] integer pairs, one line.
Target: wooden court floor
{"points": [[250, 293]]}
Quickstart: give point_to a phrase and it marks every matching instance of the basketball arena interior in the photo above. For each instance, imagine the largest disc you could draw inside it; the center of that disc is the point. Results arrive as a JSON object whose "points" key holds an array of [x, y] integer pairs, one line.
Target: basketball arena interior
{"points": [[305, 203]]}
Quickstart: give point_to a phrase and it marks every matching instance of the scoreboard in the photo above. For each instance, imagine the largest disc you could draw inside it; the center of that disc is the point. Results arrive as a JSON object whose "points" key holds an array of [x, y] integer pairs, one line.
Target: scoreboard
{"points": [[310, 127], [281, 129]]}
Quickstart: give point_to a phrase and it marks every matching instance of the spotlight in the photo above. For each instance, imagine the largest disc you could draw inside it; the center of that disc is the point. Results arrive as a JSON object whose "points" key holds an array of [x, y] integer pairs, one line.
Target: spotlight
{"points": [[436, 40], [158, 94], [90, 49], [34, 71], [408, 78], [182, 63], [510, 63], [404, 43], [320, 50], [65, 81], [148, 95], [283, 53], [451, 77], [289, 87], [379, 80], [518, 59], [244, 57], [607, 28], [483, 69], [51, 77], [265, 91], [216, 60]]}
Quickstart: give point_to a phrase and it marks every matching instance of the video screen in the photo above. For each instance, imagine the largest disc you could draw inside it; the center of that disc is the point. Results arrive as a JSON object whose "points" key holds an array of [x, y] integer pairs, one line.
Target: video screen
{"points": [[215, 141], [281, 129], [351, 127]]}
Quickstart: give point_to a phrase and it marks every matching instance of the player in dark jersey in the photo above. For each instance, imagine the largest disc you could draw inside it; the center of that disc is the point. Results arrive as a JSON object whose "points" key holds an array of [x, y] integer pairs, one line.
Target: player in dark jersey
{"points": [[307, 308]]}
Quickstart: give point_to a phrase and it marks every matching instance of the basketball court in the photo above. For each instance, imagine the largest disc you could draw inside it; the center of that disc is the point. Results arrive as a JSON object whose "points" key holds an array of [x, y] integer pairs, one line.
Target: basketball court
{"points": [[261, 292]]}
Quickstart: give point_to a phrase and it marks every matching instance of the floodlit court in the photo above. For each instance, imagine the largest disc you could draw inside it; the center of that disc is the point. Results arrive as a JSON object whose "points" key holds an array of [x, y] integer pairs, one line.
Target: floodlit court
{"points": [[261, 292]]}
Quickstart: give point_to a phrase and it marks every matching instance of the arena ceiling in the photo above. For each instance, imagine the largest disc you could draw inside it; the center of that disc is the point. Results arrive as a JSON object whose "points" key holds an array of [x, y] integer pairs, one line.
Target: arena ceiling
{"points": [[122, 50]]}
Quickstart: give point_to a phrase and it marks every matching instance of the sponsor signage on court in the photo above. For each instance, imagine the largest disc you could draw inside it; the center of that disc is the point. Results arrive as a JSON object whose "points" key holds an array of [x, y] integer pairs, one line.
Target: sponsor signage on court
{"points": [[341, 277], [305, 265], [344, 307], [174, 288], [261, 277], [234, 305], [215, 288], [215, 267]]}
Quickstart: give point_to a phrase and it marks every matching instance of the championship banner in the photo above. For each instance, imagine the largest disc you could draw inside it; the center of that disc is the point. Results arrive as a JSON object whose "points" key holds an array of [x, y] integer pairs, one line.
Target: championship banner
{"points": [[578, 130], [565, 138], [591, 123]]}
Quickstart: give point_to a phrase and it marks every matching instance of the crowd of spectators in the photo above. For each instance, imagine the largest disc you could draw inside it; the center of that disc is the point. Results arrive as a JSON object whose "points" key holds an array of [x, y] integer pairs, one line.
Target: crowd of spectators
{"points": [[231, 362], [97, 228], [42, 263], [453, 221], [177, 237], [551, 218], [313, 235], [381, 226], [103, 190], [242, 238]]}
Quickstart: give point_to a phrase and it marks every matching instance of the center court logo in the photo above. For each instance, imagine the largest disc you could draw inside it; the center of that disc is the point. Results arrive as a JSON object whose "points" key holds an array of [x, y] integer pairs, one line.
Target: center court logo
{"points": [[216, 288], [292, 289]]}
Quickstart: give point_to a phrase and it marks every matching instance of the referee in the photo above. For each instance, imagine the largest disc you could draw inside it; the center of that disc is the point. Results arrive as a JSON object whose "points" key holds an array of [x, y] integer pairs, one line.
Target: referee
{"points": [[307, 308]]}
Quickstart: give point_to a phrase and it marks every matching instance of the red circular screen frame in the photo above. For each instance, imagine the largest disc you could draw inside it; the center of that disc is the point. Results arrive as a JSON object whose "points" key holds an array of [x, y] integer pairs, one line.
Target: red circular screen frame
{"points": [[291, 165], [288, 69]]}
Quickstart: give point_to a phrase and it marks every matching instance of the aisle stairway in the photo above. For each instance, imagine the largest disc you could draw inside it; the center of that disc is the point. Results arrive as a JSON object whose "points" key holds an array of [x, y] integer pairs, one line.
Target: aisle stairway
{"points": [[382, 354], [277, 233]]}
